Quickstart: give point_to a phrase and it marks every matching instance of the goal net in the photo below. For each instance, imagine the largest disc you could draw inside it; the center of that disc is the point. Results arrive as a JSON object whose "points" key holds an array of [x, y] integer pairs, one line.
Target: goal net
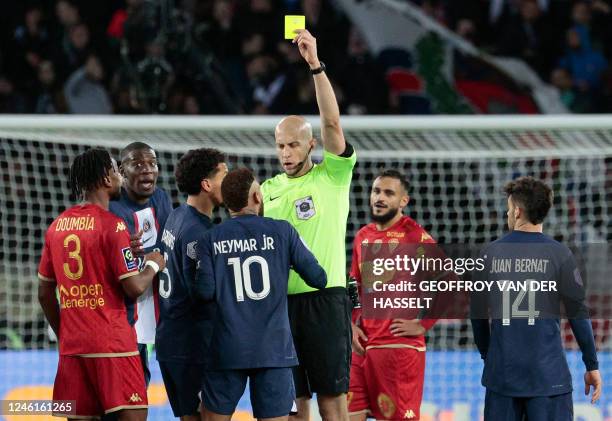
{"points": [[456, 167]]}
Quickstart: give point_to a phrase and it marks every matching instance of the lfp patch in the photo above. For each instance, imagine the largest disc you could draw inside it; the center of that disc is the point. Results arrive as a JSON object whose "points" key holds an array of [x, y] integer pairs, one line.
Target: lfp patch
{"points": [[128, 258], [305, 208]]}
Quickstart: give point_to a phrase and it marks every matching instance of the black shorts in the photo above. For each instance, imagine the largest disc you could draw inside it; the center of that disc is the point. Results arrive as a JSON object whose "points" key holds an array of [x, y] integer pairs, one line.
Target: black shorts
{"points": [[321, 327], [183, 382]]}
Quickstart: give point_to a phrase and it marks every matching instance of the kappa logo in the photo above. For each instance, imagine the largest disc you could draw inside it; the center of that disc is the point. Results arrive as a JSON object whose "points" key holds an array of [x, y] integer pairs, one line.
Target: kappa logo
{"points": [[409, 414], [305, 208], [120, 227], [135, 398]]}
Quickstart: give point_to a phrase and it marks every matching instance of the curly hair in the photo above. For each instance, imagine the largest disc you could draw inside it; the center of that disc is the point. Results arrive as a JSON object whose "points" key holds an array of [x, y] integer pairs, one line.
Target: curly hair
{"points": [[235, 188], [531, 195], [196, 165]]}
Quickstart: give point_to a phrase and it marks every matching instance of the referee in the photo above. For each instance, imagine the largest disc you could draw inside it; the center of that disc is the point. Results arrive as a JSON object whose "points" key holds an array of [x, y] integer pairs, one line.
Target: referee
{"points": [[314, 198]]}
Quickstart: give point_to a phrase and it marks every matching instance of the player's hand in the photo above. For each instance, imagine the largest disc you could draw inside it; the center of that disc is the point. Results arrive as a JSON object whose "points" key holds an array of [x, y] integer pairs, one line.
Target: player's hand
{"points": [[403, 327], [307, 45], [358, 336], [157, 258], [136, 244], [592, 378]]}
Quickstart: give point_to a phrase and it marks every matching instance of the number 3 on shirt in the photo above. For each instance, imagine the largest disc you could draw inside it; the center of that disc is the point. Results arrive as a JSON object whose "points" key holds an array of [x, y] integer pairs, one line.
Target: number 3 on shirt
{"points": [[242, 275], [73, 254]]}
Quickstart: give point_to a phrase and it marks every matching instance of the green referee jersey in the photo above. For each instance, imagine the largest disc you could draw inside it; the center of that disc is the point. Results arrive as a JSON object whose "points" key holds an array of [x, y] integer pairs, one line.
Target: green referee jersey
{"points": [[317, 205]]}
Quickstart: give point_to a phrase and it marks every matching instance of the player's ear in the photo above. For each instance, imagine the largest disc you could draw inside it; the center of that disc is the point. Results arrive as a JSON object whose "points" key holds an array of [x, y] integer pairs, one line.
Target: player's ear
{"points": [[205, 185], [404, 202], [313, 144]]}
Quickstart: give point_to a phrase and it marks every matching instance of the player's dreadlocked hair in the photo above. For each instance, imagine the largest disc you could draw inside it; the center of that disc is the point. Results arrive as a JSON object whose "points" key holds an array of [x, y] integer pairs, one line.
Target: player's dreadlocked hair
{"points": [[88, 169]]}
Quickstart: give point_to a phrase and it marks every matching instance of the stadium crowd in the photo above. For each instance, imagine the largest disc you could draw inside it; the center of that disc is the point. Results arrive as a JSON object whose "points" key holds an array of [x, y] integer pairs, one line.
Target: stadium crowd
{"points": [[228, 56]]}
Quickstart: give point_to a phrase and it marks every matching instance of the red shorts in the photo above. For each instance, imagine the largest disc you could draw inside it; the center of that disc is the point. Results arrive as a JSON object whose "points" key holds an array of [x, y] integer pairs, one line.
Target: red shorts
{"points": [[100, 385], [387, 383]]}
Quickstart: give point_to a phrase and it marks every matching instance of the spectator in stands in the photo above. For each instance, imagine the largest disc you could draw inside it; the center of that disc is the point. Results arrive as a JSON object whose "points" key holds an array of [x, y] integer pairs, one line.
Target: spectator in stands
{"points": [[272, 89], [51, 99], [582, 62], [575, 100], [361, 79], [11, 100], [75, 50], [84, 91], [32, 44], [528, 36]]}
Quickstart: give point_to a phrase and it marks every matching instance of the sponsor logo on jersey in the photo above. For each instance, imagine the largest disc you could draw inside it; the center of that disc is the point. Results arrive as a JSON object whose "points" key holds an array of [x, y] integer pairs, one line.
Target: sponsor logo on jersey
{"points": [[305, 208], [394, 234], [120, 227], [128, 258]]}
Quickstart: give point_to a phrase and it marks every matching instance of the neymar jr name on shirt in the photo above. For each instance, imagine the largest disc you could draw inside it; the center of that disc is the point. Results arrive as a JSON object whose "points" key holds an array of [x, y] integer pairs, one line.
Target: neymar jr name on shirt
{"points": [[242, 245]]}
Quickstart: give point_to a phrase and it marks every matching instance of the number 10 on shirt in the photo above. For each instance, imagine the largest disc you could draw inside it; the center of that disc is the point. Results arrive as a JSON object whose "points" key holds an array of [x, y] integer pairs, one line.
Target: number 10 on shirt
{"points": [[242, 276]]}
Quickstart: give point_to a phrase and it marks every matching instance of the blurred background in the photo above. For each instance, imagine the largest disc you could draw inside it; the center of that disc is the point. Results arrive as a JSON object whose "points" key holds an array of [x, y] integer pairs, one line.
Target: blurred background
{"points": [[229, 56]]}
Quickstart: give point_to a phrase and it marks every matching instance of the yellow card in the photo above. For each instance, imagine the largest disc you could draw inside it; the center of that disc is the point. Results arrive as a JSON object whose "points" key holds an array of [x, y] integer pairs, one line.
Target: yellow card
{"points": [[293, 22]]}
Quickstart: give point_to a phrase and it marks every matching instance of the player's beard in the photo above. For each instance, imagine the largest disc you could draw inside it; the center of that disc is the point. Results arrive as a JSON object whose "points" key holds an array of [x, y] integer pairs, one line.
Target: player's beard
{"points": [[385, 217]]}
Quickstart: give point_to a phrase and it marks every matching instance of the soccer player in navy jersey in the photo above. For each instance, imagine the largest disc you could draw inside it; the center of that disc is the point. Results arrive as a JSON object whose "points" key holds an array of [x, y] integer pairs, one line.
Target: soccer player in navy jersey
{"points": [[184, 325], [144, 207], [243, 265], [526, 374]]}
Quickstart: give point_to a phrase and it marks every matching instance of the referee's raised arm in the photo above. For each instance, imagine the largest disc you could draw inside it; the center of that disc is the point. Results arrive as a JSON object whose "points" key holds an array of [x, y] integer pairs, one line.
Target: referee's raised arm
{"points": [[331, 131]]}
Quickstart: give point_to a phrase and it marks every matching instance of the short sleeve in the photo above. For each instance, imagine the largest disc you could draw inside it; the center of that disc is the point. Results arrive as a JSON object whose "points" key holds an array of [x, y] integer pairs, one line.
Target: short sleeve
{"points": [[123, 263], [45, 267], [339, 169]]}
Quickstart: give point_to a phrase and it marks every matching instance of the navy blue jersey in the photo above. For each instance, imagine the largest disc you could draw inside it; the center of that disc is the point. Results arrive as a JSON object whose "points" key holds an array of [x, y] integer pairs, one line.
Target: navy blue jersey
{"points": [[150, 218], [243, 265], [522, 346], [184, 326]]}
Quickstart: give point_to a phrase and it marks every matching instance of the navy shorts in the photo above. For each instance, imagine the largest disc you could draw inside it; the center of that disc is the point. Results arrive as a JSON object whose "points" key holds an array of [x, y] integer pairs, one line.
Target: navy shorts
{"points": [[272, 391], [540, 408], [183, 382]]}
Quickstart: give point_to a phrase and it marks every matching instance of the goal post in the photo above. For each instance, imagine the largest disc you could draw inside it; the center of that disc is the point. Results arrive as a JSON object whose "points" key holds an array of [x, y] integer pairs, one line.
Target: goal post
{"points": [[456, 167]]}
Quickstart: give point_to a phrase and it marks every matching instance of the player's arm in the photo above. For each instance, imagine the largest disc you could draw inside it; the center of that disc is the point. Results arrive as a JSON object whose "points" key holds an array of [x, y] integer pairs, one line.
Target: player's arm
{"points": [[359, 337], [574, 299], [331, 131], [304, 262], [204, 282], [48, 302], [135, 285], [46, 288], [118, 252]]}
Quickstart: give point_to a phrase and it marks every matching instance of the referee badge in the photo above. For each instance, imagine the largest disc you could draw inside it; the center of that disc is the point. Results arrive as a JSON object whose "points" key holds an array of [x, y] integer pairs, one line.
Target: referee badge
{"points": [[304, 208]]}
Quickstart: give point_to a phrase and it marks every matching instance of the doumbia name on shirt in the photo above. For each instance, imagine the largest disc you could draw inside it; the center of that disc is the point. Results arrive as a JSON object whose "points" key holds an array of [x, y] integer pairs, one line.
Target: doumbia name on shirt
{"points": [[243, 244]]}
